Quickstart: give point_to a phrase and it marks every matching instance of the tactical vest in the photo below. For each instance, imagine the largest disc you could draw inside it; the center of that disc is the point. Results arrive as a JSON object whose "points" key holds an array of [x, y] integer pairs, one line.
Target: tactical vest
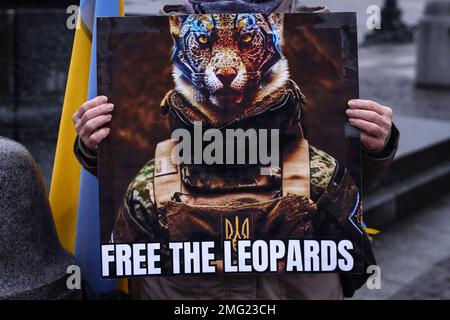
{"points": [[210, 204]]}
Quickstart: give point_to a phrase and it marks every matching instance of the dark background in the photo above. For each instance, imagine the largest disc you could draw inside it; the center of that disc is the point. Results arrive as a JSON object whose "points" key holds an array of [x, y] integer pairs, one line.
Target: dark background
{"points": [[35, 49], [134, 71]]}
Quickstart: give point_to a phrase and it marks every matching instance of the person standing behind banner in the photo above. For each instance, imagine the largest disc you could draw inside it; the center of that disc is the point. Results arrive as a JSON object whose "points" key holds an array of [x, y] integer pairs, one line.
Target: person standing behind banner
{"points": [[379, 137]]}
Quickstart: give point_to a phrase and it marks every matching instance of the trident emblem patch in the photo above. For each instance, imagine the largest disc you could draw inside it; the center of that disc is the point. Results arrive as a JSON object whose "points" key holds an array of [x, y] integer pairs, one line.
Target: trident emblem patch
{"points": [[236, 229]]}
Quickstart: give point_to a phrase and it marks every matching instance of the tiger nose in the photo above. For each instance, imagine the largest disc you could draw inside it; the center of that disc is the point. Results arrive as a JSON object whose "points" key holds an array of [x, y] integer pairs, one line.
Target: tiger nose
{"points": [[226, 75]]}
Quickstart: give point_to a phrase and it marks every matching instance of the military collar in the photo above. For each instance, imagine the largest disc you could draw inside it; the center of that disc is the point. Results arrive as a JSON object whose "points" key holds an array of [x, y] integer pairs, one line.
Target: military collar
{"points": [[178, 106]]}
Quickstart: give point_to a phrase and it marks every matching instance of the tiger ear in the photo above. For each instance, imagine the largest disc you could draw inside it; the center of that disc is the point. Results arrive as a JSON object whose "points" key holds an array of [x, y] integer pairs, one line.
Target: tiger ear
{"points": [[277, 22], [175, 25]]}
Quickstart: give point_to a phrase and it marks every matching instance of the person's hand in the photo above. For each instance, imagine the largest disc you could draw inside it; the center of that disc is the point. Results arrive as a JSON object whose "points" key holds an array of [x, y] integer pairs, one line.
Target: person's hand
{"points": [[374, 121], [90, 119]]}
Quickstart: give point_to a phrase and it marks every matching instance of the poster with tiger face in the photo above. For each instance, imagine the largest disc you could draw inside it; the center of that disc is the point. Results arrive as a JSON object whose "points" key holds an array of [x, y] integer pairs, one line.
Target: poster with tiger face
{"points": [[230, 150]]}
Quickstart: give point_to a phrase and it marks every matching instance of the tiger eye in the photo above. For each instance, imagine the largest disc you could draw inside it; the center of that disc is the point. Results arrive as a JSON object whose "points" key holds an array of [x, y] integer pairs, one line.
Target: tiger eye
{"points": [[241, 24], [246, 38], [203, 39]]}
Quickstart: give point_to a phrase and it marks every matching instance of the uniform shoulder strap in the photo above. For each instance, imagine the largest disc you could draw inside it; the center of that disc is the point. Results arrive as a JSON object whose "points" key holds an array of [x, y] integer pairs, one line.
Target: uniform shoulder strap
{"points": [[167, 179], [296, 171]]}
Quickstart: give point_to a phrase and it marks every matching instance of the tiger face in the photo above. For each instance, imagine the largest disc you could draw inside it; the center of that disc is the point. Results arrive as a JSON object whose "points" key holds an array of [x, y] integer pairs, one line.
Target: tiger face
{"points": [[223, 62]]}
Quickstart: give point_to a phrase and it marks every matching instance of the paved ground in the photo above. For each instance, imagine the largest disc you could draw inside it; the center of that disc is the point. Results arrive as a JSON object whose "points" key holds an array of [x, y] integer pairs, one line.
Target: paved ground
{"points": [[414, 256], [433, 284], [387, 74], [419, 133]]}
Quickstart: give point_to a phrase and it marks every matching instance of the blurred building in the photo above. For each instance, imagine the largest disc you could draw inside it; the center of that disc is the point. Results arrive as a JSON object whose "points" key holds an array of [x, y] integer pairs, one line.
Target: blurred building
{"points": [[34, 60]]}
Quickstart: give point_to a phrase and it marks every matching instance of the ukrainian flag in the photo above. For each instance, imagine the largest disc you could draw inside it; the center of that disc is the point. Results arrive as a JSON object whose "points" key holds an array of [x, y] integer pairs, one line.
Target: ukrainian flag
{"points": [[74, 192]]}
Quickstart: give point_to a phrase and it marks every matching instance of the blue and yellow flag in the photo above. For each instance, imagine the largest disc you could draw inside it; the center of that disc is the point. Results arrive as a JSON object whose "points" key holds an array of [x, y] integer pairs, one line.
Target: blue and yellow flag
{"points": [[74, 192]]}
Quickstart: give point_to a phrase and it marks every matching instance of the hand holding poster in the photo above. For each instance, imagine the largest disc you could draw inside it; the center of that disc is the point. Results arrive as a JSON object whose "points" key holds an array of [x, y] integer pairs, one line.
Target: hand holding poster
{"points": [[229, 149]]}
